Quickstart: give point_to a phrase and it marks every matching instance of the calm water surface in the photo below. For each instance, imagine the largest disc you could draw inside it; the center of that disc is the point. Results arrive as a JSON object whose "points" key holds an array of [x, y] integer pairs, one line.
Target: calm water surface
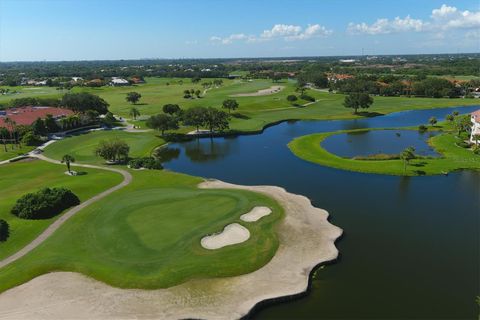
{"points": [[366, 143], [411, 245]]}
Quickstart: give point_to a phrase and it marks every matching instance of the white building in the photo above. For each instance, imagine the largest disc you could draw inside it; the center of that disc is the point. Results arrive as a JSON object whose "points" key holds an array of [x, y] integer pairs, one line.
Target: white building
{"points": [[119, 82], [475, 117]]}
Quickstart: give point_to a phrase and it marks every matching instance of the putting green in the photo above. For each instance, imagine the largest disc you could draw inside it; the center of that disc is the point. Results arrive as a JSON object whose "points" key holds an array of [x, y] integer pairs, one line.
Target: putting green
{"points": [[82, 146], [20, 178], [147, 235]]}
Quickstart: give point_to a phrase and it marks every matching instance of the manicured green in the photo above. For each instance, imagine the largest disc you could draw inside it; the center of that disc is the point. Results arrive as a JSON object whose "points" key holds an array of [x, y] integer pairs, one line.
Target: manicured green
{"points": [[25, 92], [82, 146], [453, 157], [13, 151], [147, 235], [20, 178]]}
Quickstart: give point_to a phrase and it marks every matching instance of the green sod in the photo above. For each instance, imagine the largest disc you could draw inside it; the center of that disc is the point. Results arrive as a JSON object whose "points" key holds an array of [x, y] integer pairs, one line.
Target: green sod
{"points": [[13, 151], [453, 157], [20, 178], [82, 146], [148, 234]]}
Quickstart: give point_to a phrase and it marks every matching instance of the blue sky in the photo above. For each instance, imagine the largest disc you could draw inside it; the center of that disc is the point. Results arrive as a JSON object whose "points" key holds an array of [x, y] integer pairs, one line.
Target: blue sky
{"points": [[107, 29]]}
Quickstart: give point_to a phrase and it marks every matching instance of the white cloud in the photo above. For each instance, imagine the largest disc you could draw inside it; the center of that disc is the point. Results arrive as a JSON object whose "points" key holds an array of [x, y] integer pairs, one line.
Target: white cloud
{"points": [[442, 19], [385, 26], [278, 31]]}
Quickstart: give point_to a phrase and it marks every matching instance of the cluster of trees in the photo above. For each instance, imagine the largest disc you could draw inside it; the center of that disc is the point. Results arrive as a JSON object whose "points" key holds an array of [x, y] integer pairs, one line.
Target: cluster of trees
{"points": [[146, 162], [45, 203], [190, 94], [83, 102], [215, 83], [4, 230], [114, 150], [208, 117]]}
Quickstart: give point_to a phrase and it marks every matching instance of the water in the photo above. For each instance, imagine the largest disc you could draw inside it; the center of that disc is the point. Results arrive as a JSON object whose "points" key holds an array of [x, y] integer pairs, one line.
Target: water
{"points": [[411, 245], [366, 143]]}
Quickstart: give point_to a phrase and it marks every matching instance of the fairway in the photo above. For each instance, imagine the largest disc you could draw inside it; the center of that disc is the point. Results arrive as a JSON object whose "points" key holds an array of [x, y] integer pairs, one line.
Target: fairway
{"points": [[148, 234], [82, 146], [20, 178]]}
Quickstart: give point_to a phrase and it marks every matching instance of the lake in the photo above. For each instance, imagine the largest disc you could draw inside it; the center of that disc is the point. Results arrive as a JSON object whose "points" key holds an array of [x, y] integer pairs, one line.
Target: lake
{"points": [[411, 244]]}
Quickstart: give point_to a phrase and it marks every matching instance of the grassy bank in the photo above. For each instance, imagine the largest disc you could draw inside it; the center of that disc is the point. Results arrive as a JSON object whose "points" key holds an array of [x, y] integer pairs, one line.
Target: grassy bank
{"points": [[13, 151], [20, 178], [147, 235], [452, 157], [82, 146]]}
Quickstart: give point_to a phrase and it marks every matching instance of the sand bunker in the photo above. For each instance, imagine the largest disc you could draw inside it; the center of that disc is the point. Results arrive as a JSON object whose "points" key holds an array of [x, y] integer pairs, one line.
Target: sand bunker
{"points": [[256, 214], [306, 239], [233, 233], [263, 92]]}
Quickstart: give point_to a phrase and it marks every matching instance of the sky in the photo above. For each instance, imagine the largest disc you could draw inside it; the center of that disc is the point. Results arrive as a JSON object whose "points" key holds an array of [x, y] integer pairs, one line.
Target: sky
{"points": [[56, 30]]}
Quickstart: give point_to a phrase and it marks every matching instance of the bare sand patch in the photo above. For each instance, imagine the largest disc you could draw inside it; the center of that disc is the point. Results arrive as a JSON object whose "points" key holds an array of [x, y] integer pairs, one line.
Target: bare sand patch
{"points": [[263, 92], [306, 240], [233, 233], [256, 214]]}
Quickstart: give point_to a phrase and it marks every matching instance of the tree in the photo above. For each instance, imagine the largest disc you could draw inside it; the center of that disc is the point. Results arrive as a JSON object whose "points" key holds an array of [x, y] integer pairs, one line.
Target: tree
{"points": [[38, 127], [432, 121], [216, 119], [195, 117], [407, 155], [292, 98], [275, 77], [4, 230], [82, 102], [162, 122], [171, 109], [68, 159], [450, 118], [133, 97], [134, 113], [197, 93], [300, 89], [196, 79], [50, 124], [230, 104], [358, 100], [4, 136], [113, 150]]}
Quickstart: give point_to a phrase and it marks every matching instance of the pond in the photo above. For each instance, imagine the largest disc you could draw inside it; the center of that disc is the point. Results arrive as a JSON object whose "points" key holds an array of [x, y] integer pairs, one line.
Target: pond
{"points": [[411, 244], [367, 143]]}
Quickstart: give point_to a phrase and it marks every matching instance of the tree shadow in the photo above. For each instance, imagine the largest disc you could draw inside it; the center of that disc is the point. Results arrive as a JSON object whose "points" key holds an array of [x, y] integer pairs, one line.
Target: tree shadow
{"points": [[369, 114], [240, 116]]}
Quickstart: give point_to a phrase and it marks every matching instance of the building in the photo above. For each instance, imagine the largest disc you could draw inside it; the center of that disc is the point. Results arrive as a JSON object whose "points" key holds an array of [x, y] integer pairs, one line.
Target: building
{"points": [[334, 77], [119, 82], [475, 117], [27, 115]]}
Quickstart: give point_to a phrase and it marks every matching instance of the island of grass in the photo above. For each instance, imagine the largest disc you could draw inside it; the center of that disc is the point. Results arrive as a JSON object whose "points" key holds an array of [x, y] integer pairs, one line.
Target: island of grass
{"points": [[453, 156]]}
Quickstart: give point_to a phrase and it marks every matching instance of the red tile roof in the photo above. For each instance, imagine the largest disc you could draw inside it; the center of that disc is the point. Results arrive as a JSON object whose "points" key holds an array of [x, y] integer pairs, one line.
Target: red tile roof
{"points": [[27, 115], [476, 115]]}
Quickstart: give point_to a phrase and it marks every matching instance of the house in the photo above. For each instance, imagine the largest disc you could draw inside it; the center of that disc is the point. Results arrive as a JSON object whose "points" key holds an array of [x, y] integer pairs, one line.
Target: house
{"points": [[27, 115], [119, 82], [334, 77], [137, 80], [475, 118]]}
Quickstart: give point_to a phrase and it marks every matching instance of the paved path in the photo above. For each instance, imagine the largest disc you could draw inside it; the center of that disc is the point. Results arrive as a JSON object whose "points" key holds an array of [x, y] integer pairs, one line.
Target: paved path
{"points": [[127, 178]]}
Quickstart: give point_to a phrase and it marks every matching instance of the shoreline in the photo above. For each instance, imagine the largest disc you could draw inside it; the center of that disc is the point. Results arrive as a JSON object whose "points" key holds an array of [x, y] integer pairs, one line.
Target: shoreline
{"points": [[306, 238]]}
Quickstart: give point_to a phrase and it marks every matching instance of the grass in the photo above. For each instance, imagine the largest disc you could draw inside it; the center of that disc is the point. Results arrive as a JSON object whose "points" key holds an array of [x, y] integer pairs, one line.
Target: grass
{"points": [[453, 157], [82, 146], [255, 112], [24, 92], [13, 151], [20, 178], [147, 235]]}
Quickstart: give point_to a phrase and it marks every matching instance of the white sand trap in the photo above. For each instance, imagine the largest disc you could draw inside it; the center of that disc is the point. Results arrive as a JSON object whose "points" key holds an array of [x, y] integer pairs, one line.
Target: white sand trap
{"points": [[233, 233], [256, 214], [263, 92]]}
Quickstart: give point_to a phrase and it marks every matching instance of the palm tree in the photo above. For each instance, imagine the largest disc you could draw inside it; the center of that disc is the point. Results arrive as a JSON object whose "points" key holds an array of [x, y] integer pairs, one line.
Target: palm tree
{"points": [[67, 159], [407, 155], [134, 113]]}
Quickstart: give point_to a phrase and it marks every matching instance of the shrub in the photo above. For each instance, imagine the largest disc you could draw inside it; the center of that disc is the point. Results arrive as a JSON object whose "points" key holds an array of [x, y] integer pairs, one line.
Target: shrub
{"points": [[292, 98], [147, 163], [463, 144], [306, 97], [44, 203], [4, 230], [31, 139], [422, 128]]}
